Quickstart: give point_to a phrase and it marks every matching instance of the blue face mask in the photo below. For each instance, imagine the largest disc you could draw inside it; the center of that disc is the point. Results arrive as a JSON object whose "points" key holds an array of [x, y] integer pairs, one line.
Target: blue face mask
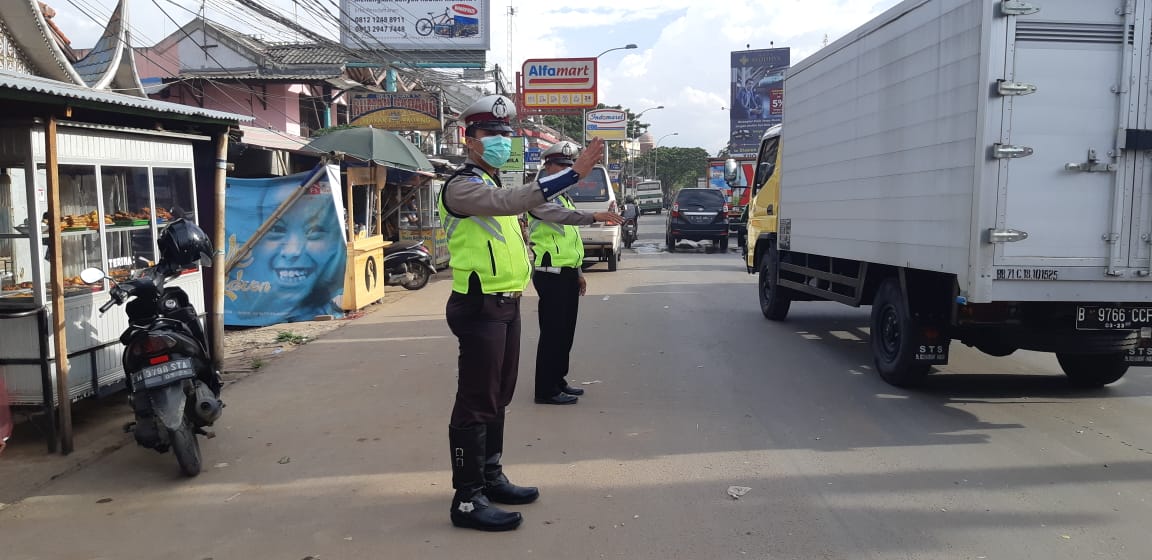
{"points": [[497, 150]]}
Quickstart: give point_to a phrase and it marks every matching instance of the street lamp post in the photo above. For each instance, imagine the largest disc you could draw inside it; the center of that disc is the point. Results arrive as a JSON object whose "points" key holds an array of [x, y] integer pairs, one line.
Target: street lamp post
{"points": [[656, 151], [631, 163], [584, 112]]}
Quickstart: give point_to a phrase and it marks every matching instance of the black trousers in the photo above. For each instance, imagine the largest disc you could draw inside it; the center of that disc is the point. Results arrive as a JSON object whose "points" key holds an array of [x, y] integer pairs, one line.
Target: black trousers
{"points": [[488, 329], [559, 306]]}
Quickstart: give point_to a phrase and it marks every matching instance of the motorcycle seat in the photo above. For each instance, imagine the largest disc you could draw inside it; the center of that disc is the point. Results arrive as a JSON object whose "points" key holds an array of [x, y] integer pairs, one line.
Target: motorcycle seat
{"points": [[401, 246]]}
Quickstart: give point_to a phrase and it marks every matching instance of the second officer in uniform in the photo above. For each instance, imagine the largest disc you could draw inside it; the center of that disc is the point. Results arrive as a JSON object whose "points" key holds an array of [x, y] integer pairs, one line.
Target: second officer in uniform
{"points": [[558, 280], [490, 269]]}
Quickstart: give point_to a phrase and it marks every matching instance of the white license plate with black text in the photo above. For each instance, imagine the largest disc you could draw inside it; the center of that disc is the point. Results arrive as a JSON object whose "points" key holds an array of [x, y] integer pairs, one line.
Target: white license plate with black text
{"points": [[163, 374]]}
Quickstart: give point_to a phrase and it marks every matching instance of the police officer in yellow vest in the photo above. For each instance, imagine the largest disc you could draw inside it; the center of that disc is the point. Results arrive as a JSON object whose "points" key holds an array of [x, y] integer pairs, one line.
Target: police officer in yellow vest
{"points": [[490, 269], [559, 280]]}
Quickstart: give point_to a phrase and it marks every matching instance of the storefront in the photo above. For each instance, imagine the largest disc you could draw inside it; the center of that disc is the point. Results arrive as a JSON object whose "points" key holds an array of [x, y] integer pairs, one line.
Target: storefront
{"points": [[89, 179]]}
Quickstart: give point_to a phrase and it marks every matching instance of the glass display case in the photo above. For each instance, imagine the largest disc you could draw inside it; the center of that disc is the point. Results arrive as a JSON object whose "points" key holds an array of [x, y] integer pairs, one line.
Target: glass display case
{"points": [[110, 218]]}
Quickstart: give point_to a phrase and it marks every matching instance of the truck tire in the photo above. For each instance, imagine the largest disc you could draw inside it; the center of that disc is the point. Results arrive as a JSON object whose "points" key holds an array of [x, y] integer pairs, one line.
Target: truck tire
{"points": [[1092, 370], [613, 260], [671, 243], [893, 343], [774, 300]]}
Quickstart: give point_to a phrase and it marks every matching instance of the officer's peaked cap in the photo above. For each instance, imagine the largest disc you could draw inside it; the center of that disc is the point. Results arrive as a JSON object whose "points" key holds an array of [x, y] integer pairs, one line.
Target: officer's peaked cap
{"points": [[492, 112], [563, 153]]}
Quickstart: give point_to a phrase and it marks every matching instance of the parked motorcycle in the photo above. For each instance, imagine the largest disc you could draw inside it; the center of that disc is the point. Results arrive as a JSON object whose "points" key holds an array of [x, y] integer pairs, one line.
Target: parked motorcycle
{"points": [[629, 232], [408, 264], [173, 389]]}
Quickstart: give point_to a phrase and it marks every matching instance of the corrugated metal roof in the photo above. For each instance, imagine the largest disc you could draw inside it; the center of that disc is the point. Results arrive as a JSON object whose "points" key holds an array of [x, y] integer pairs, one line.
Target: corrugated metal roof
{"points": [[225, 75], [309, 54], [35, 84]]}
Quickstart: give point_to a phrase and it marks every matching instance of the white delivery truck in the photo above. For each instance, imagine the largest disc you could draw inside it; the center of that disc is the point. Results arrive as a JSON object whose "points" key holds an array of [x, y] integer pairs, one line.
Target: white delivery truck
{"points": [[974, 170]]}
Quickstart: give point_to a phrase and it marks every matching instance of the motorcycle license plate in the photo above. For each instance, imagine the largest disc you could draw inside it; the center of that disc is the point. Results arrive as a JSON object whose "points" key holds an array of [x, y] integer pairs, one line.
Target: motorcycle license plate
{"points": [[1109, 318], [163, 374]]}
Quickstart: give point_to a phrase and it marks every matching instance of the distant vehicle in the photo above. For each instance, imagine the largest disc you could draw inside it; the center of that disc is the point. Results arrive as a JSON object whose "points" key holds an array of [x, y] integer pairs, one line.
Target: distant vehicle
{"points": [[650, 196], [594, 194], [698, 214]]}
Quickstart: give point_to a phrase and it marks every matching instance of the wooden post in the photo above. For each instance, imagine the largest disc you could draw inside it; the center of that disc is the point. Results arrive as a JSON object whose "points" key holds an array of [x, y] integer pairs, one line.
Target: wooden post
{"points": [[56, 280], [220, 240], [349, 214], [380, 173]]}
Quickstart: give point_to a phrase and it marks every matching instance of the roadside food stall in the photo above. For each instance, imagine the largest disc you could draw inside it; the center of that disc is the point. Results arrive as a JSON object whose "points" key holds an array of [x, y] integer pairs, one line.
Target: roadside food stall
{"points": [[419, 215], [89, 179], [383, 174]]}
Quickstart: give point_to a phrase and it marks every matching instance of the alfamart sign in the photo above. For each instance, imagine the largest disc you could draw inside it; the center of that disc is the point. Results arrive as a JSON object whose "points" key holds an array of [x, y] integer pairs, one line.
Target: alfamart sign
{"points": [[559, 83]]}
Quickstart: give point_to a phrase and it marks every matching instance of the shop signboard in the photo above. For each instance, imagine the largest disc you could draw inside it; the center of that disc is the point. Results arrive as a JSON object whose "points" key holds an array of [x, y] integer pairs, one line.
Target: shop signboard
{"points": [[558, 83], [295, 272], [608, 124], [427, 25], [413, 110], [757, 97], [515, 163]]}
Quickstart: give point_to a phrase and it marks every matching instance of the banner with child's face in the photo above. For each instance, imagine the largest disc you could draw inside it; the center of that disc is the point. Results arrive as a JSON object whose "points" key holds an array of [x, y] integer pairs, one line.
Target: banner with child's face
{"points": [[295, 272]]}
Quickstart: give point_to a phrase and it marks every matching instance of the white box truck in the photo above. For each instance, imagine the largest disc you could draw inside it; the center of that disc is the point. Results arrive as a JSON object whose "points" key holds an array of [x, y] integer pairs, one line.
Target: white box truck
{"points": [[974, 170]]}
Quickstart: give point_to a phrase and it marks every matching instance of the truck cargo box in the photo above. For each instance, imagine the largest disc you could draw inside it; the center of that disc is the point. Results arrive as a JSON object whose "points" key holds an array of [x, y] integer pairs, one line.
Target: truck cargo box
{"points": [[1004, 142]]}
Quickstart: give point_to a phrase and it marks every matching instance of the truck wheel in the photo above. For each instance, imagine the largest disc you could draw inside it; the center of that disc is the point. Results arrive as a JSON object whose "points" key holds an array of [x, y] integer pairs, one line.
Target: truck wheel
{"points": [[893, 339], [671, 243], [1092, 370], [658, 212], [774, 300], [613, 260]]}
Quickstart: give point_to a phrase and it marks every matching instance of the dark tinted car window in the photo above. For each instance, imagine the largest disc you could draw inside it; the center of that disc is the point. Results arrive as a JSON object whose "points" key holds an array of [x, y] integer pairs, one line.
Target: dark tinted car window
{"points": [[701, 198], [593, 188]]}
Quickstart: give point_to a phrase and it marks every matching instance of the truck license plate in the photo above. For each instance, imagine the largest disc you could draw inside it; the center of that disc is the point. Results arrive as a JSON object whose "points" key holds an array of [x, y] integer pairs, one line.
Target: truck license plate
{"points": [[1110, 318], [163, 374]]}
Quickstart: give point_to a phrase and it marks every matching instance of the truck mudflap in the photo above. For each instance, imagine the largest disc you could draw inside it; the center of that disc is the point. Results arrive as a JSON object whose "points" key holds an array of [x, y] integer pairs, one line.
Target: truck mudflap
{"points": [[932, 348], [1141, 355]]}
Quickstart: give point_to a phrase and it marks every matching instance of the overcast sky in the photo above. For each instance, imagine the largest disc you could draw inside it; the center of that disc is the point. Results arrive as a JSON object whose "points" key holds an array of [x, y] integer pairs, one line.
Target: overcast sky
{"points": [[682, 59]]}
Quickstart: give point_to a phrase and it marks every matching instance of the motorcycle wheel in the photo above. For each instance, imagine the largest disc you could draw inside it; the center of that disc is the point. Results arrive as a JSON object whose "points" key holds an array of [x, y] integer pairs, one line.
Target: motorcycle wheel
{"points": [[186, 448], [420, 275]]}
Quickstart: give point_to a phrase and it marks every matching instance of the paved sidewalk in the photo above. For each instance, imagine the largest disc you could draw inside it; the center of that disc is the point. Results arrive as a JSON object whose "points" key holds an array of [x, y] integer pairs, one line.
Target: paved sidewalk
{"points": [[25, 466]]}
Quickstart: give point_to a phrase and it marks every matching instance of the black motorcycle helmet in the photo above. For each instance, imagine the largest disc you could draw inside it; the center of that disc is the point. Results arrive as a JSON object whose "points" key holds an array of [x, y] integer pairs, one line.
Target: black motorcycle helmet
{"points": [[183, 243]]}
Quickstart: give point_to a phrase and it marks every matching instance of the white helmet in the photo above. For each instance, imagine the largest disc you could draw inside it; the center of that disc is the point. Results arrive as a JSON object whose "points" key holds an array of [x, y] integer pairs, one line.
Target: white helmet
{"points": [[563, 153], [492, 112]]}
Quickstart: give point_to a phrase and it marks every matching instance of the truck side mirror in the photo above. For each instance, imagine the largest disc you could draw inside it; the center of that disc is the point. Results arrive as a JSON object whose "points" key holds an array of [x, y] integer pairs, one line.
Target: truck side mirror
{"points": [[731, 172]]}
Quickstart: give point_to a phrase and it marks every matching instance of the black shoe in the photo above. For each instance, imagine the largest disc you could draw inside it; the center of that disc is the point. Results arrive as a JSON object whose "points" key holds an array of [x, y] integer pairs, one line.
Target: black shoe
{"points": [[471, 510], [574, 391], [503, 492], [558, 398]]}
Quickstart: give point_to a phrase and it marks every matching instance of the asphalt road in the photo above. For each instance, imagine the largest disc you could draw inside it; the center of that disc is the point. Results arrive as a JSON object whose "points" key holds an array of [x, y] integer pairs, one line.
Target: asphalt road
{"points": [[341, 450]]}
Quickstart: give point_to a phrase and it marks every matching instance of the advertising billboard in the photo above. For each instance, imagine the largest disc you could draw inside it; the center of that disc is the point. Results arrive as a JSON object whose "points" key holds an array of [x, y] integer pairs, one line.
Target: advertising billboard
{"points": [[414, 110], [430, 25], [295, 272], [757, 97], [609, 124], [557, 83]]}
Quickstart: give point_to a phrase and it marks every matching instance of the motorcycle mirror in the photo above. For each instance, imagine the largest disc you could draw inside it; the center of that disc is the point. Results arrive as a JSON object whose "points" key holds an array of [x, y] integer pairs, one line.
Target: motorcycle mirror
{"points": [[92, 275]]}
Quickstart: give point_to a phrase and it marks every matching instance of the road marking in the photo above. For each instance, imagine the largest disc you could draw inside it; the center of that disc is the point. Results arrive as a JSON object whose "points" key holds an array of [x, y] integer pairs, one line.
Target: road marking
{"points": [[844, 335], [811, 336], [606, 297], [388, 339]]}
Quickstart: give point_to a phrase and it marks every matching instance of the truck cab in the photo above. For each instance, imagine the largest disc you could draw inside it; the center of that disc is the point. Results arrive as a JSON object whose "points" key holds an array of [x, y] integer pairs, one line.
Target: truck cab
{"points": [[650, 196], [763, 206]]}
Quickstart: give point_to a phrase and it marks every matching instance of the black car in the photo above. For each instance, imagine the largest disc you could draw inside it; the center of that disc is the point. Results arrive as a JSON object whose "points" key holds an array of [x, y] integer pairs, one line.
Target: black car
{"points": [[698, 214]]}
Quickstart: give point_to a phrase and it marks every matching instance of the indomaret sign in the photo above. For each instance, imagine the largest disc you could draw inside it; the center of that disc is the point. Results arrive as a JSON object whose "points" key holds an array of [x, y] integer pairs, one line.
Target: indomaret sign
{"points": [[559, 83]]}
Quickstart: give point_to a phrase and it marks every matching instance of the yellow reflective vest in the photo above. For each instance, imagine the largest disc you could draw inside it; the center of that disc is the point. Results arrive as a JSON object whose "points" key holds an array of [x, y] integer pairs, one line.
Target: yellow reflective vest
{"points": [[560, 242], [491, 247]]}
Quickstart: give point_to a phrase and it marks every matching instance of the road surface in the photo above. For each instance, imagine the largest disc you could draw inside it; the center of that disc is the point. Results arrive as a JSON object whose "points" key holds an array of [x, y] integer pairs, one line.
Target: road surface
{"points": [[341, 450]]}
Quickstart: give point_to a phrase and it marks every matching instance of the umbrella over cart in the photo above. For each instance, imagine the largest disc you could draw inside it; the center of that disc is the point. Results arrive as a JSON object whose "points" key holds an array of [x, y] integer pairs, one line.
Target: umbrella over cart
{"points": [[373, 145]]}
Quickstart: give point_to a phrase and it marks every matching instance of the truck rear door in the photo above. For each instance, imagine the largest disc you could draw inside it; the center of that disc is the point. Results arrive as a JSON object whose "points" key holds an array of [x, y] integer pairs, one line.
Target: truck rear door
{"points": [[1065, 178]]}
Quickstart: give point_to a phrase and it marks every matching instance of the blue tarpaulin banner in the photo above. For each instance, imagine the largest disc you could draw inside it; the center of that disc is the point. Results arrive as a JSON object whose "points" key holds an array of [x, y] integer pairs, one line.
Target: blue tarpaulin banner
{"points": [[296, 270]]}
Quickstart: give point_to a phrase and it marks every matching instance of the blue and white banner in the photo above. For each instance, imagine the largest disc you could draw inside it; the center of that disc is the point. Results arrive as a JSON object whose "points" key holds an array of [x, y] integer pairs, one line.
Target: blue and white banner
{"points": [[295, 272]]}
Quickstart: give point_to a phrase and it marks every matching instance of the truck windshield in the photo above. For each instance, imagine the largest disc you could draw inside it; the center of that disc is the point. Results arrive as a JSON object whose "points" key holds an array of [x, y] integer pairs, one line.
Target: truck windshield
{"points": [[593, 188], [648, 187]]}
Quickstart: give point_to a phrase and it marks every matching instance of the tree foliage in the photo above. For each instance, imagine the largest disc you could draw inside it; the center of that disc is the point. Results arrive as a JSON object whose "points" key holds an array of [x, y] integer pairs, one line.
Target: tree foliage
{"points": [[676, 167]]}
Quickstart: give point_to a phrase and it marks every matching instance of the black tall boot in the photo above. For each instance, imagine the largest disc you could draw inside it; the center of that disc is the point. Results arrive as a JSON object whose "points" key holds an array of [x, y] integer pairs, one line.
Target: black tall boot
{"points": [[496, 485], [470, 508]]}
